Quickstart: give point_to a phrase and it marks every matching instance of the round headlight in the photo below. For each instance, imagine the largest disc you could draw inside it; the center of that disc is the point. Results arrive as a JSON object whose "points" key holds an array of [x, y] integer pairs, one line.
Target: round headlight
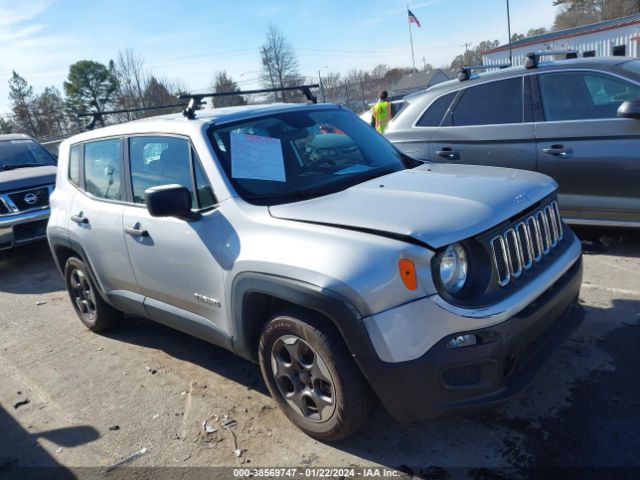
{"points": [[453, 268]]}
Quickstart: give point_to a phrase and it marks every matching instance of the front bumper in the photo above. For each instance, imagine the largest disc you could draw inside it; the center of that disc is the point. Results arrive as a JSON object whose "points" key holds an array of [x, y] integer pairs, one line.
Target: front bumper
{"points": [[21, 228], [445, 380]]}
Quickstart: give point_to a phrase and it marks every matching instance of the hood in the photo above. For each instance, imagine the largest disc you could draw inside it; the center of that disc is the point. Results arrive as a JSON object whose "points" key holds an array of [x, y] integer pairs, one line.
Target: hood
{"points": [[436, 204], [21, 178]]}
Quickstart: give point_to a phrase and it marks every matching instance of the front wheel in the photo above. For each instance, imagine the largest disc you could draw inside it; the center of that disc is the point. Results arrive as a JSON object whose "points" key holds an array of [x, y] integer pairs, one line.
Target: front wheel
{"points": [[313, 378], [92, 310]]}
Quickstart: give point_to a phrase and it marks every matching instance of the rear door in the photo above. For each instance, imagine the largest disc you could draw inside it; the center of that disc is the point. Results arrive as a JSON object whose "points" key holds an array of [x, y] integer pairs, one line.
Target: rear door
{"points": [[488, 124], [586, 148], [96, 212]]}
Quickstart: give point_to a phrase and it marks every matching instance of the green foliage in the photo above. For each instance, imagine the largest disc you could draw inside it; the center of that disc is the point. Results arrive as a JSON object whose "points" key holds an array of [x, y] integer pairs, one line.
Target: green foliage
{"points": [[5, 126], [22, 104], [91, 86], [224, 83]]}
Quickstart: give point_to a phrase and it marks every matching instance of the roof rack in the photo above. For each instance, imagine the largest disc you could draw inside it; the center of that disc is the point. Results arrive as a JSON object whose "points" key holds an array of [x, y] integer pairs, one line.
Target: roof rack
{"points": [[533, 58], [98, 116], [464, 73], [195, 99]]}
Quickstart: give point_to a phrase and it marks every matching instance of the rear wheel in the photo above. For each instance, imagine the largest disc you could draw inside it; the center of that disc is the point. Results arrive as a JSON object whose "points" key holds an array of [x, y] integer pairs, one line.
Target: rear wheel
{"points": [[94, 312], [311, 375]]}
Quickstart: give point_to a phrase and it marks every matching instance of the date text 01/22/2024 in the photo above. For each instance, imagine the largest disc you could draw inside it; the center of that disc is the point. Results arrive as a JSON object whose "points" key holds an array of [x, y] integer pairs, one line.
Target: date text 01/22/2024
{"points": [[318, 472]]}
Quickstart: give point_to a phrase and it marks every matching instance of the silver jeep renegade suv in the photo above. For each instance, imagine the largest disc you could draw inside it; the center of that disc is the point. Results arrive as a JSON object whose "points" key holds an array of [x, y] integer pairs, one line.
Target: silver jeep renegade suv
{"points": [[297, 237]]}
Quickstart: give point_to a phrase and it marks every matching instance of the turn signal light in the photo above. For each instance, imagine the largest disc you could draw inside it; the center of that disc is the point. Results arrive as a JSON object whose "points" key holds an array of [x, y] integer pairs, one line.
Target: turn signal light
{"points": [[408, 273]]}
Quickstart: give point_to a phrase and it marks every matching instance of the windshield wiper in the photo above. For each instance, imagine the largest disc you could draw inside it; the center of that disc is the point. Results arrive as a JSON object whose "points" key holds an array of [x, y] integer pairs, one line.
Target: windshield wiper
{"points": [[10, 166]]}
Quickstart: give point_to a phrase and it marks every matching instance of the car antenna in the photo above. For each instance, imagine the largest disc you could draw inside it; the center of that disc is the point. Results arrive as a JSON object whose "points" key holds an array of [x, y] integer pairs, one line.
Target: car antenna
{"points": [[195, 99]]}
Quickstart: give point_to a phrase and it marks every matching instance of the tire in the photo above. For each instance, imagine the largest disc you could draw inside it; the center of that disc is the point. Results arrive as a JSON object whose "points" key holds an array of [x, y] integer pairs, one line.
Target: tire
{"points": [[312, 376], [91, 309]]}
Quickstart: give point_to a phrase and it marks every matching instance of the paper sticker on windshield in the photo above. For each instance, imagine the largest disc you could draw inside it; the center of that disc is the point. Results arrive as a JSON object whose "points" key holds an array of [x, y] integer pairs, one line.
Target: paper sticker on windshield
{"points": [[256, 158]]}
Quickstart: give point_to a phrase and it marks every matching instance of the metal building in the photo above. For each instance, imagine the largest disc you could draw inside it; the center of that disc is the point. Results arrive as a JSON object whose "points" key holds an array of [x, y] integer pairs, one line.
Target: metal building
{"points": [[619, 36]]}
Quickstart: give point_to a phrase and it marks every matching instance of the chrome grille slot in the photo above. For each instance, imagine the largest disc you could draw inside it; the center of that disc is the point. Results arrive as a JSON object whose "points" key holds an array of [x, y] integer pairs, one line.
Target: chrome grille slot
{"points": [[514, 253], [544, 231], [520, 247], [556, 210], [526, 247], [500, 260]]}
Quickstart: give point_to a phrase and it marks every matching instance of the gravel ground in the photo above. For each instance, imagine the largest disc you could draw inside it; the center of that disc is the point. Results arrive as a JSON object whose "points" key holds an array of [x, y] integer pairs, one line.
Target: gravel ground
{"points": [[73, 399]]}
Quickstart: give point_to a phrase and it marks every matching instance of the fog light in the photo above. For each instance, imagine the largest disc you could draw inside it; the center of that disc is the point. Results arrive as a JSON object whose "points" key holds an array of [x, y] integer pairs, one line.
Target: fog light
{"points": [[462, 341]]}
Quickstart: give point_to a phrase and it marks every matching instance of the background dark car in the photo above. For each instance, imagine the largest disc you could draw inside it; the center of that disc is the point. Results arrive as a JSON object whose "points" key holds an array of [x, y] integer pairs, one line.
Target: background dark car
{"points": [[27, 178], [559, 118]]}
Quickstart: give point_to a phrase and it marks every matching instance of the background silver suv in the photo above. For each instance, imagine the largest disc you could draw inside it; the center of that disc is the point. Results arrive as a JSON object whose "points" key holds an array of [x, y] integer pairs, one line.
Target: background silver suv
{"points": [[350, 276], [559, 118]]}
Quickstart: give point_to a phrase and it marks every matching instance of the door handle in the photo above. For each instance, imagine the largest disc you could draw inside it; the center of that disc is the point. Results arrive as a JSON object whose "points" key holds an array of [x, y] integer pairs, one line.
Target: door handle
{"points": [[136, 231], [448, 153], [558, 150], [80, 219]]}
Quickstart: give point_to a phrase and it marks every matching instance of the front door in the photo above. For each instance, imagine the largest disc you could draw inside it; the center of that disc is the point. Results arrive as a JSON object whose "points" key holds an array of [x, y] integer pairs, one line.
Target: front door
{"points": [[593, 155], [177, 263]]}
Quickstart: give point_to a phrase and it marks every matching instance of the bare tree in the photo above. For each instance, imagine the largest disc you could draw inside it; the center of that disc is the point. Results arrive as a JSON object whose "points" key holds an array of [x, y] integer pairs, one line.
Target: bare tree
{"points": [[279, 61], [133, 80]]}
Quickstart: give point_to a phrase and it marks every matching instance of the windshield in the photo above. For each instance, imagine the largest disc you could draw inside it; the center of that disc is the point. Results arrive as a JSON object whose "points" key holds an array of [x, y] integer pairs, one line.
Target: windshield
{"points": [[288, 156], [632, 66], [23, 153]]}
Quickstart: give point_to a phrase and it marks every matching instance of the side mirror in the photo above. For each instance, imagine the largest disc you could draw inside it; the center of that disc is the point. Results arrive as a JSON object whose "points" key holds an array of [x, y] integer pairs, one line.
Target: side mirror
{"points": [[630, 109], [170, 201]]}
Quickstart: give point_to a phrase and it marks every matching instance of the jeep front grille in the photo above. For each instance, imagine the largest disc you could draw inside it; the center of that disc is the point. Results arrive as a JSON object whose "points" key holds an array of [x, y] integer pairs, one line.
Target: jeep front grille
{"points": [[521, 246]]}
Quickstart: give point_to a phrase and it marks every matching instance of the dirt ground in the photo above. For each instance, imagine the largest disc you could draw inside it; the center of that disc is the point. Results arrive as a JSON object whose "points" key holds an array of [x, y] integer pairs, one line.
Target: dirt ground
{"points": [[73, 399]]}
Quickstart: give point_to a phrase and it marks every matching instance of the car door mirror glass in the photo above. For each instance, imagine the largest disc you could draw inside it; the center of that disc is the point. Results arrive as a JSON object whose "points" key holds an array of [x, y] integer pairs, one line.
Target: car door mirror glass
{"points": [[170, 201], [629, 109]]}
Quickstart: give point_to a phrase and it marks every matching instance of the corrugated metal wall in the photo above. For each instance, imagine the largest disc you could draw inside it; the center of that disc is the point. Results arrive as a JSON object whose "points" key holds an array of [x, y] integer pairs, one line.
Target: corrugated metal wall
{"points": [[601, 42]]}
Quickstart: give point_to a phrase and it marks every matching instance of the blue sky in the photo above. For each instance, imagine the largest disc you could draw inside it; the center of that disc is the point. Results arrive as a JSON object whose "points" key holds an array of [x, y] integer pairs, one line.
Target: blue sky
{"points": [[192, 39]]}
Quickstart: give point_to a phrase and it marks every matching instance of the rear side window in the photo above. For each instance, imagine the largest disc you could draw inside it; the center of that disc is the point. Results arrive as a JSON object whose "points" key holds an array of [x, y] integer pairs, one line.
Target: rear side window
{"points": [[433, 116], [490, 104], [75, 157], [583, 95], [102, 161]]}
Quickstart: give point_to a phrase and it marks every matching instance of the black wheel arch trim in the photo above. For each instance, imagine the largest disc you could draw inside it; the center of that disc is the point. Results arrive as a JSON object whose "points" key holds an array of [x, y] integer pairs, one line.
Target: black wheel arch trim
{"points": [[339, 310], [57, 241]]}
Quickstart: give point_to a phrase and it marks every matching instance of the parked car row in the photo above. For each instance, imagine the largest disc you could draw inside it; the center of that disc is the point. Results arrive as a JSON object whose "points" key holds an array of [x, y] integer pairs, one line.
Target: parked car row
{"points": [[559, 118]]}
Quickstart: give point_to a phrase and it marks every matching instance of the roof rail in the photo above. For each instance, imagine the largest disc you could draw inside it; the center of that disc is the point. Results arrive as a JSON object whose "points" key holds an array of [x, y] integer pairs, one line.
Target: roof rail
{"points": [[195, 99], [465, 72], [98, 116], [533, 58]]}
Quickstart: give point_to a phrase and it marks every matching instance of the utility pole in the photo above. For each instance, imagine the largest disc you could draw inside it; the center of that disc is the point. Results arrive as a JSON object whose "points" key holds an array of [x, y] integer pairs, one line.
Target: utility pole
{"points": [[465, 59], [265, 61], [509, 30], [321, 87], [424, 64]]}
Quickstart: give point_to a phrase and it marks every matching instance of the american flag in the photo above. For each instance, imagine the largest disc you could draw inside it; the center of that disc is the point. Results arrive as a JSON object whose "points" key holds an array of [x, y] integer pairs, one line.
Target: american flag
{"points": [[413, 18]]}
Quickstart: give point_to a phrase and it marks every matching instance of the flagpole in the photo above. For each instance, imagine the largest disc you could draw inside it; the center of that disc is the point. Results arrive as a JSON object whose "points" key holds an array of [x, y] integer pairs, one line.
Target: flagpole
{"points": [[413, 59]]}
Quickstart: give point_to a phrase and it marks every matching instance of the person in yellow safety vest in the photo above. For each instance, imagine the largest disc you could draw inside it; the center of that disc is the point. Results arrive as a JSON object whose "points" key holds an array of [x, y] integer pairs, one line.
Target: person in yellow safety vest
{"points": [[381, 112]]}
